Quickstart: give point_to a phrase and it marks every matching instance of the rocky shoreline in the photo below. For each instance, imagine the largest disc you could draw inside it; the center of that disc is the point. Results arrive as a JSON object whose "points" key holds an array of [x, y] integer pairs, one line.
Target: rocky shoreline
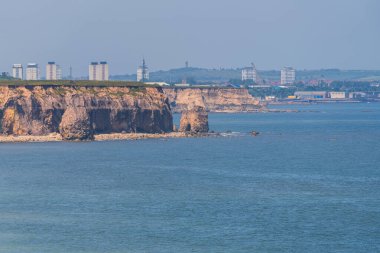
{"points": [[55, 137], [47, 113]]}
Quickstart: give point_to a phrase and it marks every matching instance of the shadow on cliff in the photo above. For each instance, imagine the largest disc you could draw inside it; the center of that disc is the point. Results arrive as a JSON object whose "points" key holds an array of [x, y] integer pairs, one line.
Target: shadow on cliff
{"points": [[40, 111]]}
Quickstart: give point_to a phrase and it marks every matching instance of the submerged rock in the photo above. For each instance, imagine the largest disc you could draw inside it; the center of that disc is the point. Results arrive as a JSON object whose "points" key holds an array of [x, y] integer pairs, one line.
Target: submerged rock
{"points": [[194, 120], [255, 133], [76, 125]]}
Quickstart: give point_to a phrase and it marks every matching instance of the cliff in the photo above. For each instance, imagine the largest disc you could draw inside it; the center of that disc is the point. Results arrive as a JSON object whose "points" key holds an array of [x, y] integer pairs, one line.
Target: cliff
{"points": [[39, 110], [78, 112], [212, 99], [194, 120]]}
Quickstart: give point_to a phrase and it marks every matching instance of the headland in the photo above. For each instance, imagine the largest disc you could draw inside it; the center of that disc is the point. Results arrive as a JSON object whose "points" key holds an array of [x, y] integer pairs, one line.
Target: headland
{"points": [[88, 110]]}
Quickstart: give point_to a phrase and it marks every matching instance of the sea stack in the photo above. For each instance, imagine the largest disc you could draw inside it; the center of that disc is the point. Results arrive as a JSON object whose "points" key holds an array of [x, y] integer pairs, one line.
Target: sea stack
{"points": [[194, 120]]}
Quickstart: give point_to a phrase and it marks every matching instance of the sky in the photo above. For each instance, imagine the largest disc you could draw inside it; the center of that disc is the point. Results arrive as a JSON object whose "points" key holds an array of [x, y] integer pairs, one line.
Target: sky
{"points": [[304, 34]]}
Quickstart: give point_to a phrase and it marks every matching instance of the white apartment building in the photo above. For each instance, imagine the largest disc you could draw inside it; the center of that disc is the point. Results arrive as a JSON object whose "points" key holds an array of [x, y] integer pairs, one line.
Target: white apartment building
{"points": [[53, 71], [98, 71], [288, 76], [32, 71], [59, 72], [17, 71], [249, 73], [142, 73]]}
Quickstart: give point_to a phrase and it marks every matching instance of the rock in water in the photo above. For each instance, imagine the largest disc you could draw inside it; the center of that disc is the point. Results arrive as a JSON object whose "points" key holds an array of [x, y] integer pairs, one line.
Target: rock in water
{"points": [[255, 133], [76, 125], [194, 120]]}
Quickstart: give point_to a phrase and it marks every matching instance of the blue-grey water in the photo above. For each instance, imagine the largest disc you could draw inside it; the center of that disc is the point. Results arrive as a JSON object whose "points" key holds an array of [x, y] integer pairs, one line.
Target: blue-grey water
{"points": [[310, 182]]}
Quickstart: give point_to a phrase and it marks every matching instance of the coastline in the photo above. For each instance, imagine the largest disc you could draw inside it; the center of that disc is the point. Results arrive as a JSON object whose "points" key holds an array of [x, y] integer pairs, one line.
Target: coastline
{"points": [[56, 137]]}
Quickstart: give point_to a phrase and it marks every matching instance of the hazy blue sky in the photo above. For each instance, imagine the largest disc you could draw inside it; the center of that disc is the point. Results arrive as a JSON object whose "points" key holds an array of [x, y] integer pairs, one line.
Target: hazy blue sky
{"points": [[306, 34]]}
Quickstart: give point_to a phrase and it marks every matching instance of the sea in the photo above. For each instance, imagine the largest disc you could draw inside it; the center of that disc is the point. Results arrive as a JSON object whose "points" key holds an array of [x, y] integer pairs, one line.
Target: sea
{"points": [[309, 182]]}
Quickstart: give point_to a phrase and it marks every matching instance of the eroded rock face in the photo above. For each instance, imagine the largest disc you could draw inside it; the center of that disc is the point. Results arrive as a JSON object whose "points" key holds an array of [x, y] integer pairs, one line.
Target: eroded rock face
{"points": [[38, 110], [76, 124], [194, 120], [213, 99], [28, 116]]}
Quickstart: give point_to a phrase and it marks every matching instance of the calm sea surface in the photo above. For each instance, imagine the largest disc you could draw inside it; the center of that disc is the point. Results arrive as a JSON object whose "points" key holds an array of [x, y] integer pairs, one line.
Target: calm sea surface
{"points": [[310, 182]]}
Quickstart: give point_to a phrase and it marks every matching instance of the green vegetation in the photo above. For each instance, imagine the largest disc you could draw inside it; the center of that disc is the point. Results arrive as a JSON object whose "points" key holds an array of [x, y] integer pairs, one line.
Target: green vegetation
{"points": [[80, 83], [344, 86], [273, 91], [117, 94], [136, 91], [201, 75], [347, 86], [192, 75], [5, 76], [60, 91]]}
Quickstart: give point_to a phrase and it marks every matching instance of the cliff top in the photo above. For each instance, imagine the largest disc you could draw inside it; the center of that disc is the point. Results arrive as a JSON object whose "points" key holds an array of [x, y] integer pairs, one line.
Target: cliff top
{"points": [[83, 83], [87, 83]]}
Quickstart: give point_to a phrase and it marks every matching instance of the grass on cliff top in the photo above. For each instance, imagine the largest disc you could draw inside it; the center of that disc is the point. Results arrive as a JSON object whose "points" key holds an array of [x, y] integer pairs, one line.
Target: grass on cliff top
{"points": [[79, 83], [87, 83]]}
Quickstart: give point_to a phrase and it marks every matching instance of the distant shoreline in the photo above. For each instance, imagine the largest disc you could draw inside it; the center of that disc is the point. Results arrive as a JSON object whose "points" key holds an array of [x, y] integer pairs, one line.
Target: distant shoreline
{"points": [[314, 102]]}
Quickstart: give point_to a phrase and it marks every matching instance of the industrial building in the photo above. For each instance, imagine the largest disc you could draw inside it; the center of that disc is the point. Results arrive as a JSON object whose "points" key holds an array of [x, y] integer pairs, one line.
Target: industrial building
{"points": [[337, 95], [310, 95]]}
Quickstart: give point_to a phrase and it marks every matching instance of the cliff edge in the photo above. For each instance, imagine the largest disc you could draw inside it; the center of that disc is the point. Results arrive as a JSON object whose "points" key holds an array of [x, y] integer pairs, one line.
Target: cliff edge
{"points": [[39, 110], [212, 99]]}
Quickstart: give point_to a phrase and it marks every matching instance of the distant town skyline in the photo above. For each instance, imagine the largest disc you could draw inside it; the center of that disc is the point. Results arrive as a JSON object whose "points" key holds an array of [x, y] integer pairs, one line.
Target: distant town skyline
{"points": [[209, 34]]}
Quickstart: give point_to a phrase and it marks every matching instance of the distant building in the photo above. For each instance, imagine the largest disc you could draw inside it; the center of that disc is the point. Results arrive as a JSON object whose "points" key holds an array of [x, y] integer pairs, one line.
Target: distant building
{"points": [[53, 71], [310, 95], [104, 71], [158, 83], [98, 71], [338, 94], [182, 85], [249, 73], [32, 72], [92, 69], [59, 72], [270, 98], [288, 76], [142, 72], [357, 95], [17, 71]]}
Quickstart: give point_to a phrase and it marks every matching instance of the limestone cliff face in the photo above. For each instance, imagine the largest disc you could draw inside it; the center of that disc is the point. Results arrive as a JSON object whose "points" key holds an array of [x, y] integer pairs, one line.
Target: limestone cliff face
{"points": [[76, 124], [194, 120], [212, 99], [38, 110]]}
